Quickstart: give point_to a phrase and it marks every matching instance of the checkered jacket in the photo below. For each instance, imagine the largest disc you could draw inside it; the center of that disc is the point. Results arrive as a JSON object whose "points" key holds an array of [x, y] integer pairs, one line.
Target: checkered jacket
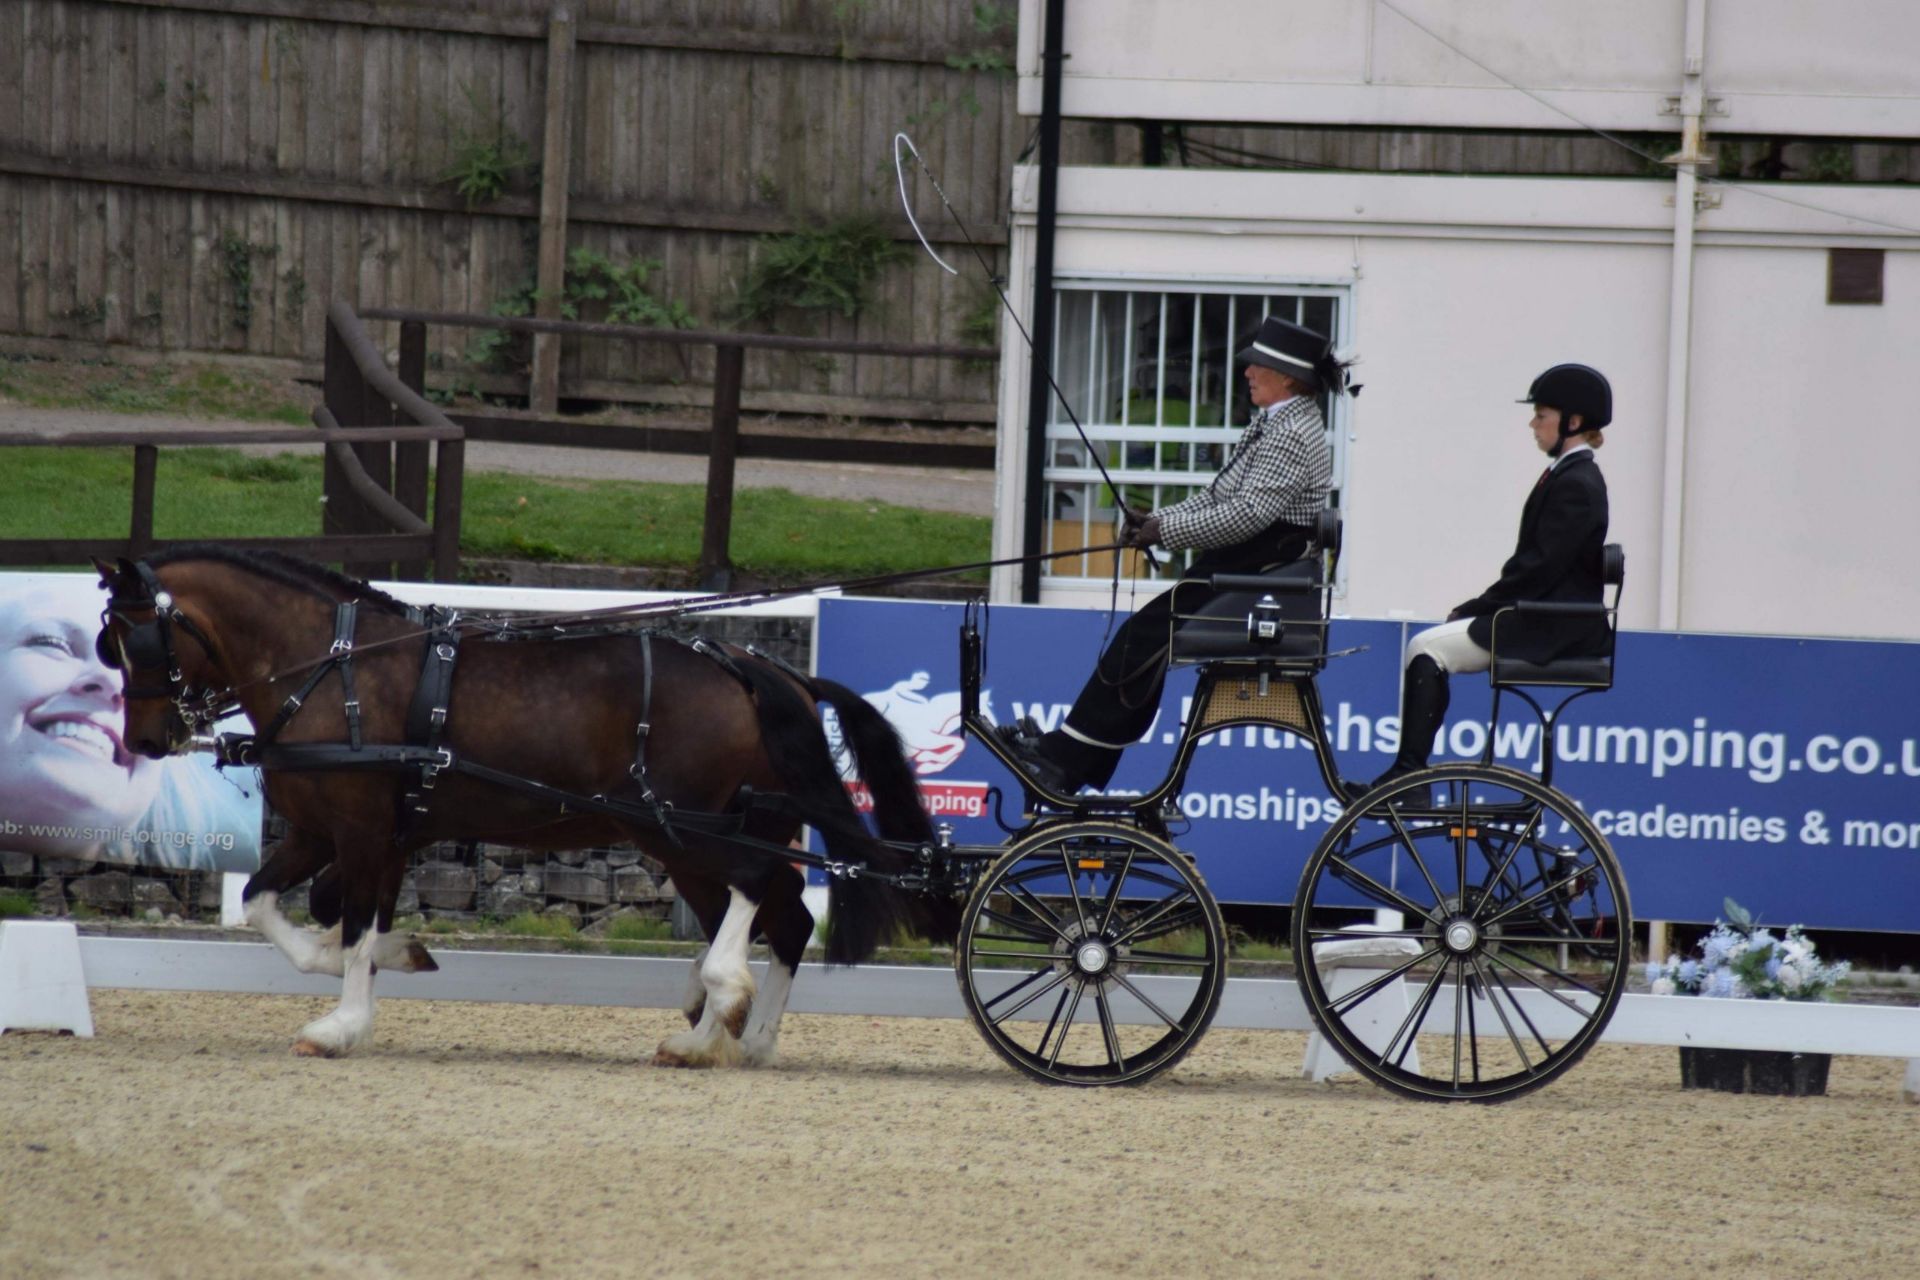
{"points": [[1281, 470]]}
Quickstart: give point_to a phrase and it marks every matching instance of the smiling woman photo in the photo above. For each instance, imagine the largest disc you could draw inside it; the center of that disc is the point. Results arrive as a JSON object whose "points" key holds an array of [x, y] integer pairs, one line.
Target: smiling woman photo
{"points": [[68, 785]]}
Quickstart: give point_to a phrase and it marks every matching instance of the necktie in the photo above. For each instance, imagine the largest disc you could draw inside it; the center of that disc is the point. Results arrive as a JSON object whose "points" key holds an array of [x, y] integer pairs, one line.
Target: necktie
{"points": [[1541, 483]]}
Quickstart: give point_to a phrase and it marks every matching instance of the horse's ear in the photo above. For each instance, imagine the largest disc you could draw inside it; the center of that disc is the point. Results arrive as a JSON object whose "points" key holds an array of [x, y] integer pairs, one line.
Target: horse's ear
{"points": [[106, 571]]}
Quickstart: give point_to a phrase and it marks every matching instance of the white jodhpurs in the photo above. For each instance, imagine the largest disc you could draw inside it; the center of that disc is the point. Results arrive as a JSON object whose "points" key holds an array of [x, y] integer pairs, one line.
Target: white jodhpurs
{"points": [[1450, 647]]}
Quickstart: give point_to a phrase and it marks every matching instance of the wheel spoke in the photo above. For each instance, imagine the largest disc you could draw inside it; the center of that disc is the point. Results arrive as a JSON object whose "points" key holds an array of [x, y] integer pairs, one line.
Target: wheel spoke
{"points": [[1168, 957], [1066, 1027], [1041, 911], [1073, 887], [1528, 901], [1415, 1019], [1027, 932], [1107, 1029], [1361, 994], [1528, 978], [1526, 835], [1146, 1000], [1163, 927], [1158, 911], [1058, 978], [1113, 892], [1518, 1048], [1374, 889], [1413, 852], [1519, 1010], [1461, 1000]]}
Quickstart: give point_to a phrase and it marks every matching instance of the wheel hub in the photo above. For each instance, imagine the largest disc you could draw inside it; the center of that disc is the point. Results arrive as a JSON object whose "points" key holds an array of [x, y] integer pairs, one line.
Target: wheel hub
{"points": [[1460, 935], [1091, 957]]}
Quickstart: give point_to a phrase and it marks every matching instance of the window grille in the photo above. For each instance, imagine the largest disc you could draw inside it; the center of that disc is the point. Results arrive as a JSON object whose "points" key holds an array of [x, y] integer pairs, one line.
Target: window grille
{"points": [[1150, 373]]}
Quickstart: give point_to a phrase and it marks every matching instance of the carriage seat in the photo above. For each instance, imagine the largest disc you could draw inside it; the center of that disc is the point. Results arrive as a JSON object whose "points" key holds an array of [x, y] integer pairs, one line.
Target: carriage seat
{"points": [[1587, 671], [1217, 630]]}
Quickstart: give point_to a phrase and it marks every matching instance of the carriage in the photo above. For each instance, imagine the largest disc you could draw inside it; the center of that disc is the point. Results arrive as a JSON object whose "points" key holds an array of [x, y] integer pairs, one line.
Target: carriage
{"points": [[1462, 933]]}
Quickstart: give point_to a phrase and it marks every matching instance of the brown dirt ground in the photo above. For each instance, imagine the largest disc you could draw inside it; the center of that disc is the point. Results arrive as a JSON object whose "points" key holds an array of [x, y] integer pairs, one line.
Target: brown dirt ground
{"points": [[486, 1140]]}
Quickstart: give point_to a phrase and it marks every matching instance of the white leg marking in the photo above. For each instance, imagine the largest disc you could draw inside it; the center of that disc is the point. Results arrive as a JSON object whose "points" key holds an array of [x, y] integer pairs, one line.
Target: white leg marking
{"points": [[310, 952], [714, 1041], [351, 1023], [760, 1042], [694, 1002]]}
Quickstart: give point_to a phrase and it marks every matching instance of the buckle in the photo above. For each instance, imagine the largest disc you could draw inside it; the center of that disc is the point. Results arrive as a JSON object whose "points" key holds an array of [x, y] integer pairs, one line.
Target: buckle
{"points": [[339, 647]]}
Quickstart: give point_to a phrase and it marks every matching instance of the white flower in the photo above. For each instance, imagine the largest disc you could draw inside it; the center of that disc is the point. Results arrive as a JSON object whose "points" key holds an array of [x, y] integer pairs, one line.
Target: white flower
{"points": [[1663, 986], [1790, 979]]}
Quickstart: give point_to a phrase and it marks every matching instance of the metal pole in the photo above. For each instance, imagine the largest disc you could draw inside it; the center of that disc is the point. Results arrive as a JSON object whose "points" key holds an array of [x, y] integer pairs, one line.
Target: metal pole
{"points": [[1038, 391], [716, 570], [1673, 475]]}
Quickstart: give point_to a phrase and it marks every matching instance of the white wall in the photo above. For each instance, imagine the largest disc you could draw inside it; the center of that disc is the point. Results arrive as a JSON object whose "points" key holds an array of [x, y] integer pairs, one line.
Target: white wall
{"points": [[1796, 514], [1838, 67]]}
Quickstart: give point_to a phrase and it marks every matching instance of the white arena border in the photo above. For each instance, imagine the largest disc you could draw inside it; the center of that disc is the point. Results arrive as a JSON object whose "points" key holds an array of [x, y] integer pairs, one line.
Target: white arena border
{"points": [[649, 982]]}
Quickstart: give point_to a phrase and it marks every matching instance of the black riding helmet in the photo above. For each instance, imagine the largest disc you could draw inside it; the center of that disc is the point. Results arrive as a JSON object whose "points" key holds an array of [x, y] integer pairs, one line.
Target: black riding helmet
{"points": [[1573, 388]]}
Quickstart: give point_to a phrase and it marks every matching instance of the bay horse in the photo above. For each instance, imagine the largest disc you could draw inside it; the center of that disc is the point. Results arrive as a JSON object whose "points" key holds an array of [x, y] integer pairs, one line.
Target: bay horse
{"points": [[709, 759]]}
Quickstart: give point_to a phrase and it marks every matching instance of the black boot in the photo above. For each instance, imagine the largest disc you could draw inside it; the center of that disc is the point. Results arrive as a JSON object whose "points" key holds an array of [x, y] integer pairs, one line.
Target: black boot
{"points": [[1423, 709]]}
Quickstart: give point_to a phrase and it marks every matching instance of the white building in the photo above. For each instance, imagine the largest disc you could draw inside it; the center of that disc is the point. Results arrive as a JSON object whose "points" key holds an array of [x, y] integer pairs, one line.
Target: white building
{"points": [[1761, 466]]}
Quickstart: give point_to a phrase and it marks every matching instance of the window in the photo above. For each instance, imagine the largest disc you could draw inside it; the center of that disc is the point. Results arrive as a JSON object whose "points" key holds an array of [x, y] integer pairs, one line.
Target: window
{"points": [[1150, 374]]}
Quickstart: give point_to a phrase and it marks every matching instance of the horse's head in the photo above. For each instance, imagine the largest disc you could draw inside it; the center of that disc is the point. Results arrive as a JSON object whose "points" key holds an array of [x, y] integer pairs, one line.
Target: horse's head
{"points": [[163, 654]]}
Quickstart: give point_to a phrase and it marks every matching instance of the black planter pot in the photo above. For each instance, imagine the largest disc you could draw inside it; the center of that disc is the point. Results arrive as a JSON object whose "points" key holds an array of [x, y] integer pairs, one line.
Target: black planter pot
{"points": [[1796, 1075]]}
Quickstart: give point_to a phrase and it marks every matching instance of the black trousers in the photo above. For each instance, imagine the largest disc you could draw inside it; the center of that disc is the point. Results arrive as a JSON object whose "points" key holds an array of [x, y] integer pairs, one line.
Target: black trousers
{"points": [[1120, 699]]}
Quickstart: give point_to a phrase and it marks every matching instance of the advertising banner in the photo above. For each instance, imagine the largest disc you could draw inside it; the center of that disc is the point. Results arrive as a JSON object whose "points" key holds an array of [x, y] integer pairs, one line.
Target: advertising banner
{"points": [[68, 786], [1782, 772]]}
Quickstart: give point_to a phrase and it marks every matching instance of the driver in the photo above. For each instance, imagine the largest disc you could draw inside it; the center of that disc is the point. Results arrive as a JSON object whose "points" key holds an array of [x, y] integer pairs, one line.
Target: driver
{"points": [[1256, 515], [1563, 528]]}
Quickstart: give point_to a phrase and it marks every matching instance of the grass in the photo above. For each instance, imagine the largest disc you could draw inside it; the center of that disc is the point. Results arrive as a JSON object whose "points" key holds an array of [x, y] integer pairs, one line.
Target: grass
{"points": [[14, 905], [530, 925], [639, 929], [193, 390], [222, 493]]}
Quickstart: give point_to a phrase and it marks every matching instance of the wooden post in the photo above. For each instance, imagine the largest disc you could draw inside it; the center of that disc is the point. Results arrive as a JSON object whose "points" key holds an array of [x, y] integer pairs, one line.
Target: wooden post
{"points": [[410, 458], [716, 569], [555, 164], [146, 460], [446, 510], [1657, 941]]}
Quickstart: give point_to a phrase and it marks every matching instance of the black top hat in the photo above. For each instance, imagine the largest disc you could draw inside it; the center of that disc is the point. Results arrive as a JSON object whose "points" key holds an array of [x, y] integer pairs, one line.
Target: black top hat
{"points": [[1287, 347]]}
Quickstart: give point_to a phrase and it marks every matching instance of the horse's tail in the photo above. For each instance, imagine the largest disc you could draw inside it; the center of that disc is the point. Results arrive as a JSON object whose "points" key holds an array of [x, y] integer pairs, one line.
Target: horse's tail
{"points": [[881, 761], [862, 910]]}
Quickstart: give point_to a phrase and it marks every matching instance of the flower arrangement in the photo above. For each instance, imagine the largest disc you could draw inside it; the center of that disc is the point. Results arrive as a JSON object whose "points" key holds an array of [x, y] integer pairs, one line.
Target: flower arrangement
{"points": [[1740, 961]]}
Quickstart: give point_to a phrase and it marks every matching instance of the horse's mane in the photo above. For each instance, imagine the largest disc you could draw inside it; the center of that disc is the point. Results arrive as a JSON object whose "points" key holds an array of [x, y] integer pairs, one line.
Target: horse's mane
{"points": [[290, 571]]}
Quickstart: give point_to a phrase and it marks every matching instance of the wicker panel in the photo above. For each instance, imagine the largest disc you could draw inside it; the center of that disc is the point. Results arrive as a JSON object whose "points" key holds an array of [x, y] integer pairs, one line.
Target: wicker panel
{"points": [[1231, 700]]}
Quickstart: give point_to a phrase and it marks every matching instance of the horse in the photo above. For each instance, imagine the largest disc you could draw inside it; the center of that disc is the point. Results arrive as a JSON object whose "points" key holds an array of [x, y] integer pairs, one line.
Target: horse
{"points": [[707, 758]]}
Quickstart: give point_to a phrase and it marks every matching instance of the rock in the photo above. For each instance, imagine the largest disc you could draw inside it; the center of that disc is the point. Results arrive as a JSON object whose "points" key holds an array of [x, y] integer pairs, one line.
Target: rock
{"points": [[617, 858], [50, 895], [154, 899], [570, 857], [112, 889], [67, 866], [578, 886], [635, 884], [596, 867], [409, 900], [15, 864], [565, 911], [490, 871], [504, 901], [445, 886]]}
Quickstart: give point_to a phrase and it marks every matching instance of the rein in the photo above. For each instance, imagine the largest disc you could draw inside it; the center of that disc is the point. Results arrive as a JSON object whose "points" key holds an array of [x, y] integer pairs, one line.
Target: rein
{"points": [[575, 625]]}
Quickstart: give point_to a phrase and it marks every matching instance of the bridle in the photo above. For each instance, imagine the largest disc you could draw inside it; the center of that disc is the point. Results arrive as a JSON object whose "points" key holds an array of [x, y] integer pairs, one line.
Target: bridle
{"points": [[150, 646]]}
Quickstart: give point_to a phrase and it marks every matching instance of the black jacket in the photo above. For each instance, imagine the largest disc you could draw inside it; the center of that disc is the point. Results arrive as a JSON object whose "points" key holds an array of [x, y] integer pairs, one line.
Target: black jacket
{"points": [[1558, 557]]}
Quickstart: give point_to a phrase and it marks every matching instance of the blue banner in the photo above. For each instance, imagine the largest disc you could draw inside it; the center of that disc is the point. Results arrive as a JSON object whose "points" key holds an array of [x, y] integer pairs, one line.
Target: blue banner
{"points": [[1784, 773]]}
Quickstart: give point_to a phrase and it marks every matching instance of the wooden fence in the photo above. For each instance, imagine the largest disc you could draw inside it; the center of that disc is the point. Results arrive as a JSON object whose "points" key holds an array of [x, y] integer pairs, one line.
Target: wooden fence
{"points": [[205, 175], [376, 433]]}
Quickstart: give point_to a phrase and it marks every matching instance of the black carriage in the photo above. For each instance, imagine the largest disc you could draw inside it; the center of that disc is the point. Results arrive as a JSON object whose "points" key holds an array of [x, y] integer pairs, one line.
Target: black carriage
{"points": [[1461, 934]]}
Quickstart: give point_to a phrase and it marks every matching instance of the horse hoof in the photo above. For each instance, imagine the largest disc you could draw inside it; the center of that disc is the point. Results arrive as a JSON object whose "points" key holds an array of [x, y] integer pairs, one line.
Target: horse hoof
{"points": [[311, 1049], [420, 960], [665, 1057]]}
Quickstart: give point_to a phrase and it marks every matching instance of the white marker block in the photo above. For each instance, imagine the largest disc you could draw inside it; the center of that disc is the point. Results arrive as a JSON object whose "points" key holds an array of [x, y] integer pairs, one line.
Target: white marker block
{"points": [[42, 987], [1375, 1019], [233, 913]]}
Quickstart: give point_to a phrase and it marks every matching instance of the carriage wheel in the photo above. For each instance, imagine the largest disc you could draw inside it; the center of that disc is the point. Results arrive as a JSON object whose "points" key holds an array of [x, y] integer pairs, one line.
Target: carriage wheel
{"points": [[1509, 950], [1091, 953]]}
